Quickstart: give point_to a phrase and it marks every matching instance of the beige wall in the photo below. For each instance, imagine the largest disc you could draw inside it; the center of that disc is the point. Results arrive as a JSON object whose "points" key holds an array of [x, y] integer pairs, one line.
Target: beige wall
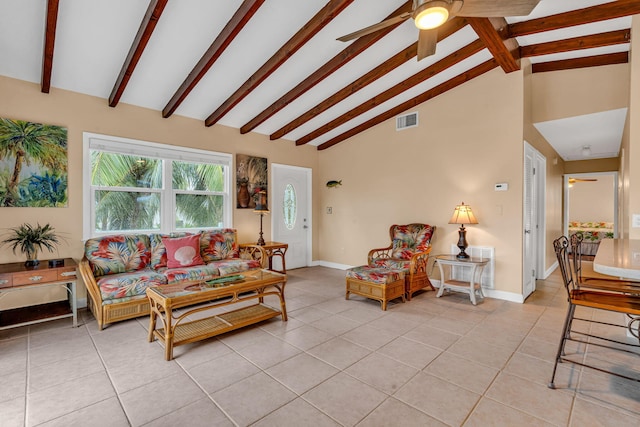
{"points": [[81, 113], [467, 141], [596, 165], [575, 92], [632, 144], [592, 200], [568, 93], [555, 167]]}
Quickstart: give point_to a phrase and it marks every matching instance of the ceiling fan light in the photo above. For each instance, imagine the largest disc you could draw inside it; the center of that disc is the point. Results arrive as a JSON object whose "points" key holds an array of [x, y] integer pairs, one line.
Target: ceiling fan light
{"points": [[431, 15]]}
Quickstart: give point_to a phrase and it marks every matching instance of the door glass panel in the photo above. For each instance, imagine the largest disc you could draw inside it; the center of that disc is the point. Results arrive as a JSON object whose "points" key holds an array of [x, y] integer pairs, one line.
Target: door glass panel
{"points": [[289, 206]]}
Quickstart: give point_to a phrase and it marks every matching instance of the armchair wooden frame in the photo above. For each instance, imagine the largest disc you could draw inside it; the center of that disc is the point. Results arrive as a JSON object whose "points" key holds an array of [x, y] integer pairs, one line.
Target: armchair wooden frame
{"points": [[416, 278], [609, 298]]}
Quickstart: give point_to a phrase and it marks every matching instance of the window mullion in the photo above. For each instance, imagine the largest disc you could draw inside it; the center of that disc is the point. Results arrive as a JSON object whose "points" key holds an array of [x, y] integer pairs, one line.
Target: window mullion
{"points": [[168, 199]]}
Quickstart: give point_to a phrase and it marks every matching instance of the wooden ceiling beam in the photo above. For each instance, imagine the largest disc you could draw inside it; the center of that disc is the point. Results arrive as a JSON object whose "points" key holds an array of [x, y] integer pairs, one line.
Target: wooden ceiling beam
{"points": [[602, 12], [148, 24], [49, 44], [381, 70], [488, 31], [346, 55], [589, 61], [237, 22], [577, 43], [425, 74], [306, 33], [412, 103]]}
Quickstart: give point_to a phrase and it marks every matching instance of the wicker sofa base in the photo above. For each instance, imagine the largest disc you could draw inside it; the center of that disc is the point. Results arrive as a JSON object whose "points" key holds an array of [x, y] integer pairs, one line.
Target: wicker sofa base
{"points": [[111, 313], [417, 282], [380, 292]]}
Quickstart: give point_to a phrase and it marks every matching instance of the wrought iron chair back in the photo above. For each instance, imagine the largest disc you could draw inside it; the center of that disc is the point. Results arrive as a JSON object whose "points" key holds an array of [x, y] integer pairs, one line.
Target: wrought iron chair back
{"points": [[613, 300]]}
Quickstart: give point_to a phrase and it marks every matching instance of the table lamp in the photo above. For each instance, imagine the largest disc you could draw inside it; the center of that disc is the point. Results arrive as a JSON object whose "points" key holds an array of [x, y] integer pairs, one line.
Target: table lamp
{"points": [[462, 215], [262, 209]]}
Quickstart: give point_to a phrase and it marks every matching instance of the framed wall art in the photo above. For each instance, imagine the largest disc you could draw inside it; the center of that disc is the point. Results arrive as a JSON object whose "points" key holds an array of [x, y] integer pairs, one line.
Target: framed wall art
{"points": [[33, 164], [251, 181]]}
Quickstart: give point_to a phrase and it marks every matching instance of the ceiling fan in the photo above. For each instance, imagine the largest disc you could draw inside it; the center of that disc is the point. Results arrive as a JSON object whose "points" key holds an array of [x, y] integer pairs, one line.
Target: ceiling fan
{"points": [[428, 15]]}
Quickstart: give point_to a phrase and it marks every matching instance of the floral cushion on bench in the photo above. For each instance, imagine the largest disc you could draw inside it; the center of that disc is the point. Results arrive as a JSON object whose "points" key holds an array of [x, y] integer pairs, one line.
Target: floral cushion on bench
{"points": [[195, 273], [381, 276], [131, 284]]}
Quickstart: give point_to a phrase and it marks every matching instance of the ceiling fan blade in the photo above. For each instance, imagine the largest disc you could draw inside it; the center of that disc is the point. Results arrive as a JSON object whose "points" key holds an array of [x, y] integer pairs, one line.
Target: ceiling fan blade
{"points": [[427, 42], [497, 8], [574, 180], [375, 27]]}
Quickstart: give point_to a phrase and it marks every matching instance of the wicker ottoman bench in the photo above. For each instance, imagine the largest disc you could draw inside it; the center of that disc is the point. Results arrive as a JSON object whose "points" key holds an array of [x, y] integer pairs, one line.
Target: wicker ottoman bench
{"points": [[382, 284]]}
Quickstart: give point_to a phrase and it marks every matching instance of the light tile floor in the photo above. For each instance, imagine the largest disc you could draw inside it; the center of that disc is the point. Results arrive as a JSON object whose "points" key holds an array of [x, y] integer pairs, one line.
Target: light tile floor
{"points": [[428, 362]]}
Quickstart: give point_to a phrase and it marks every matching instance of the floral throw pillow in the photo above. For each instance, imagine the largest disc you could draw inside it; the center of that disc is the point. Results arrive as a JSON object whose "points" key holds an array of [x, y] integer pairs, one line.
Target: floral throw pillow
{"points": [[183, 251]]}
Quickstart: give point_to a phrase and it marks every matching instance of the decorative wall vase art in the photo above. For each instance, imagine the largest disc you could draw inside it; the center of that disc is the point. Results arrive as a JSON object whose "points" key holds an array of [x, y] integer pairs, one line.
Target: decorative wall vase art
{"points": [[251, 179], [33, 164]]}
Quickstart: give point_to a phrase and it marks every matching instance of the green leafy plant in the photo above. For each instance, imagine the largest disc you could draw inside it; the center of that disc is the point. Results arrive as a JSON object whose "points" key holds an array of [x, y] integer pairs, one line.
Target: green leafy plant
{"points": [[29, 239]]}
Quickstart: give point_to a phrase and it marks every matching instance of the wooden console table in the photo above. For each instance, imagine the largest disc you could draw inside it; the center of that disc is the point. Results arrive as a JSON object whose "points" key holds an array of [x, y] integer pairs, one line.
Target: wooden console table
{"points": [[176, 331], [472, 286], [274, 249], [15, 277]]}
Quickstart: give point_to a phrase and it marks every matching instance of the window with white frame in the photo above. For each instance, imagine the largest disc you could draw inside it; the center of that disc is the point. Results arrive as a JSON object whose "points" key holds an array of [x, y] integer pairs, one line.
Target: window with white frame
{"points": [[135, 186]]}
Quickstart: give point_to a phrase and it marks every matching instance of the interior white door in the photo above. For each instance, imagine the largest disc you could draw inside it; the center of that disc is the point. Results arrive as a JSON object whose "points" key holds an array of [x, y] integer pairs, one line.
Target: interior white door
{"points": [[529, 223], [291, 213]]}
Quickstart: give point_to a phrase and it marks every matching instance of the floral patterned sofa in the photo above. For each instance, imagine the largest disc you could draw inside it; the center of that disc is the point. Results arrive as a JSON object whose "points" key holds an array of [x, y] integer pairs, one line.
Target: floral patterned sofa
{"points": [[592, 233], [117, 269], [408, 251]]}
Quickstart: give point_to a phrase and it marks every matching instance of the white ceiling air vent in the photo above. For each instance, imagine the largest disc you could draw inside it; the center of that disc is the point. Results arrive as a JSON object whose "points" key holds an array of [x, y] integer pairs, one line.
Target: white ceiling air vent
{"points": [[407, 121]]}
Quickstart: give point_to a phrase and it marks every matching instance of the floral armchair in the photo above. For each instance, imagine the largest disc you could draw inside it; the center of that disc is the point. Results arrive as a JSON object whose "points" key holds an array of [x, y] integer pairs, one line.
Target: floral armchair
{"points": [[409, 250]]}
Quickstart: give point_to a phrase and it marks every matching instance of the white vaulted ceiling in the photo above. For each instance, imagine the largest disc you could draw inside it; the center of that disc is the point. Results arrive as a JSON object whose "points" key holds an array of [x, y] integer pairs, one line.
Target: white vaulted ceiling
{"points": [[93, 38]]}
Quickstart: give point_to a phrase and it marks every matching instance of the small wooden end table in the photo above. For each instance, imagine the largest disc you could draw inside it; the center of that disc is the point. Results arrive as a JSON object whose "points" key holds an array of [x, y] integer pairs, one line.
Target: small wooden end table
{"points": [[473, 286], [273, 249], [15, 277]]}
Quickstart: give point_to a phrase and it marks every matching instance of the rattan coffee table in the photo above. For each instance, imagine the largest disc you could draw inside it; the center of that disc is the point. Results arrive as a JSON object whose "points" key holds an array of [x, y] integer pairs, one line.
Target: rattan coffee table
{"points": [[177, 330]]}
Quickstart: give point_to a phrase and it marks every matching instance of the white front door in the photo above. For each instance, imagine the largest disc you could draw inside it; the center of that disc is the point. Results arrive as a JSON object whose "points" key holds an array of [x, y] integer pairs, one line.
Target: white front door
{"points": [[291, 213]]}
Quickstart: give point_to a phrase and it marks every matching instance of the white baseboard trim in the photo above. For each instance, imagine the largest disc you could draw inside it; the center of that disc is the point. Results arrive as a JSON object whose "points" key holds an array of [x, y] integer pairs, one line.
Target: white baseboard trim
{"points": [[550, 270], [81, 303], [492, 293], [331, 265]]}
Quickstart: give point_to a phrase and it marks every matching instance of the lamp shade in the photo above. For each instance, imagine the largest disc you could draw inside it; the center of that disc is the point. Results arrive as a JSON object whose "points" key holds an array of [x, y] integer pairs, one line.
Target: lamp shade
{"points": [[463, 214], [431, 14]]}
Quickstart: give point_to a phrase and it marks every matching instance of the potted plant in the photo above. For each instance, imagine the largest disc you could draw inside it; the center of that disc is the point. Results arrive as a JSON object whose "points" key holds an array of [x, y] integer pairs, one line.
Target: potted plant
{"points": [[30, 240]]}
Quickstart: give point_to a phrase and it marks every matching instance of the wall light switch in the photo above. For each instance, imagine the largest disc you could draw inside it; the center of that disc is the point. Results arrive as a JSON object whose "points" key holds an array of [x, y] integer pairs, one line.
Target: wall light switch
{"points": [[501, 186], [635, 220]]}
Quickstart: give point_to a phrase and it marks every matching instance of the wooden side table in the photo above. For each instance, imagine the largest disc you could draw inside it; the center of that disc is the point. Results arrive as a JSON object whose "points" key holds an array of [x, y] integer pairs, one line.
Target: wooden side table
{"points": [[274, 249], [473, 286], [15, 277]]}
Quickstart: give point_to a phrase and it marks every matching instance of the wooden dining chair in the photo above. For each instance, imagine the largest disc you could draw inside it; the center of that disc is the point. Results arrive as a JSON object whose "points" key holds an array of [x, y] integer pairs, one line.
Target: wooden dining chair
{"points": [[600, 299]]}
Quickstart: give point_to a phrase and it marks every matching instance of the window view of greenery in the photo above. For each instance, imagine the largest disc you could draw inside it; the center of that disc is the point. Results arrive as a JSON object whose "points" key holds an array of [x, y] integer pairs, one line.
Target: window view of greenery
{"points": [[198, 191], [127, 204], [129, 194]]}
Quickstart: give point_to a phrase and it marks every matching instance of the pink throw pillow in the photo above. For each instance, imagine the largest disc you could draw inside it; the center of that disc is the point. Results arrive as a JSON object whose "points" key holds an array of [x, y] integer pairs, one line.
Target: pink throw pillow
{"points": [[183, 251]]}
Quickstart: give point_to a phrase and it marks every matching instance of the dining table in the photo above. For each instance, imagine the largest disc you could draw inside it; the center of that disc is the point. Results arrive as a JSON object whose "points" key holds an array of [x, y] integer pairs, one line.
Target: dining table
{"points": [[619, 258]]}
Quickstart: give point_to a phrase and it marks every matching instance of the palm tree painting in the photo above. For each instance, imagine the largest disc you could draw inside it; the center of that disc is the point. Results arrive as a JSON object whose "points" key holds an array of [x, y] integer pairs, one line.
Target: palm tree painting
{"points": [[33, 164], [251, 179]]}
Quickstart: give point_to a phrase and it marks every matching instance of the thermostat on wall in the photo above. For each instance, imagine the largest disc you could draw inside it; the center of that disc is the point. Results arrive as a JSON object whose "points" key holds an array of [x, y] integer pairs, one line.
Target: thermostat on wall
{"points": [[502, 186]]}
